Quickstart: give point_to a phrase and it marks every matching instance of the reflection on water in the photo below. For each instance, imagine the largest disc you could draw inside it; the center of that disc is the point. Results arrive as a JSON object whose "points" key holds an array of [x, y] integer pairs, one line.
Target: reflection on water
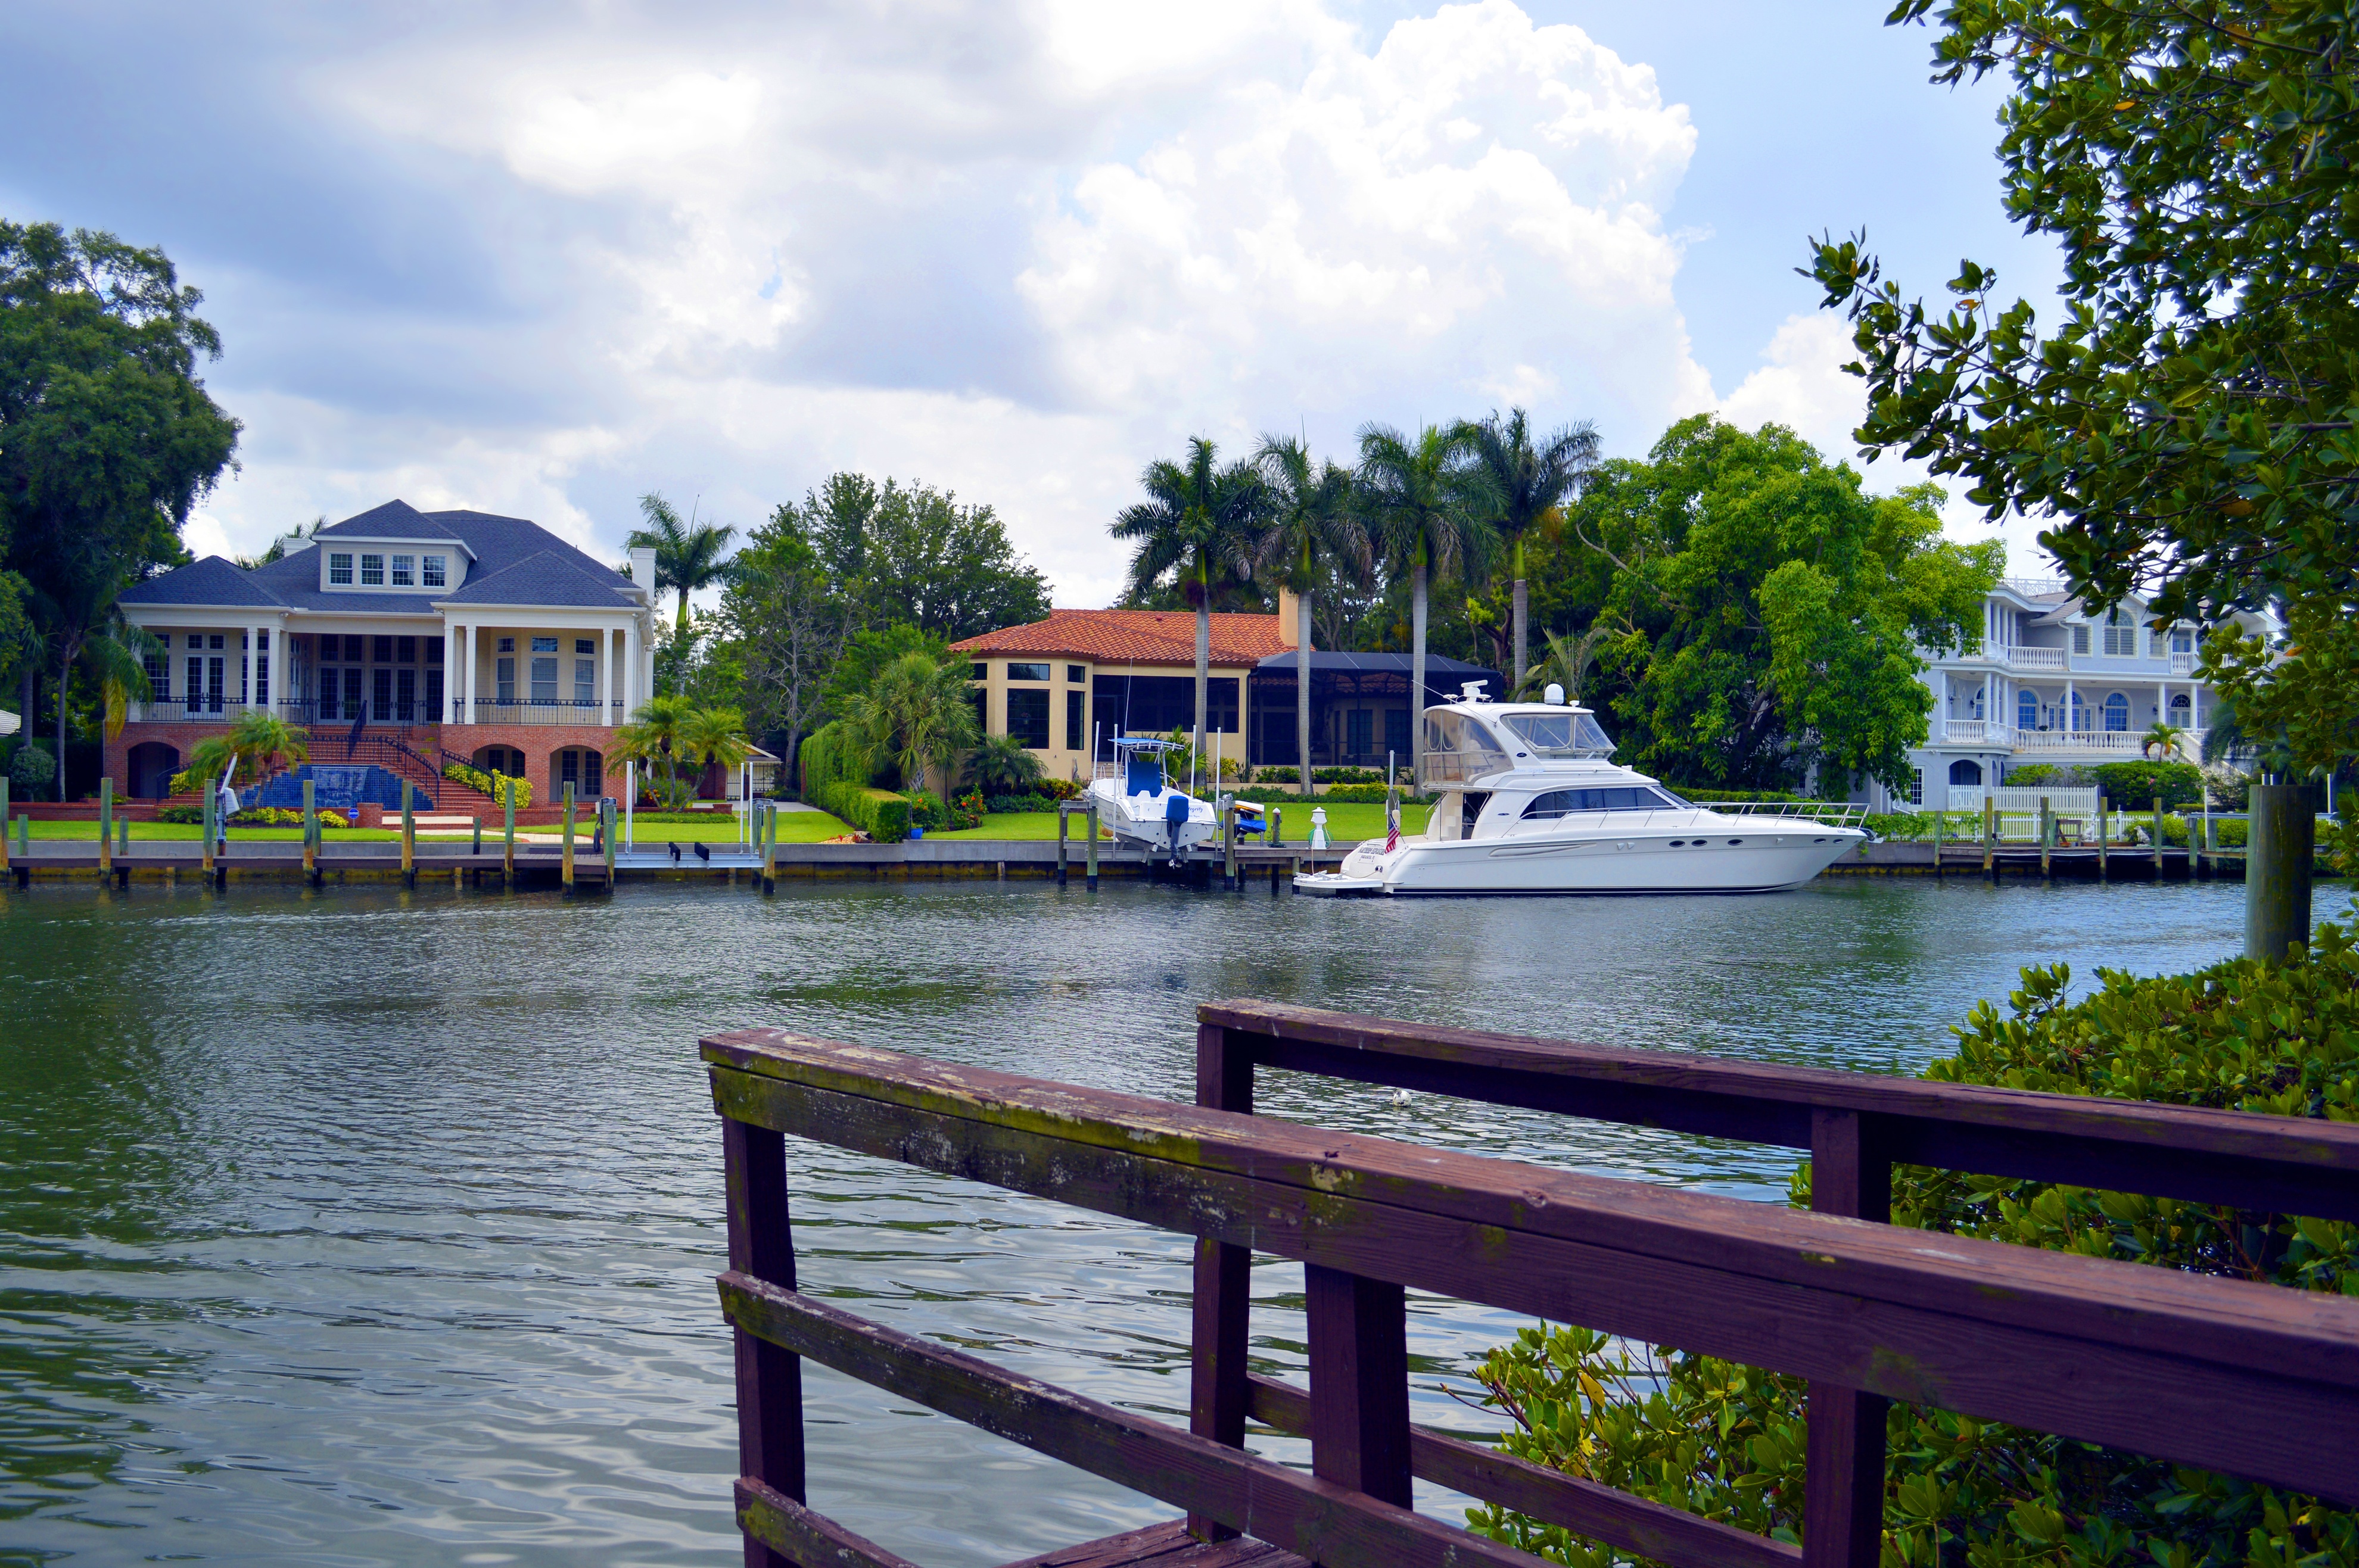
{"points": [[367, 1227]]}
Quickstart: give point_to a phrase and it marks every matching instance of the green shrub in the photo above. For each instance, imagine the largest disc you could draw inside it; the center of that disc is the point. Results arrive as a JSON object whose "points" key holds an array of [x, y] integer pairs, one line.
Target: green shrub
{"points": [[498, 786], [925, 809], [1917, 827], [1325, 775], [967, 811], [1727, 1442], [2031, 775], [1342, 794], [186, 815], [1010, 805], [31, 768], [266, 817], [829, 755], [2135, 784], [2231, 831], [879, 812]]}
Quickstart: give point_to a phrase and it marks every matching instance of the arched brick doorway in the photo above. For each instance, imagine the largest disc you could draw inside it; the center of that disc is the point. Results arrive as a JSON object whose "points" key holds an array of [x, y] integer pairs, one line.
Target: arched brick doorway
{"points": [[153, 763]]}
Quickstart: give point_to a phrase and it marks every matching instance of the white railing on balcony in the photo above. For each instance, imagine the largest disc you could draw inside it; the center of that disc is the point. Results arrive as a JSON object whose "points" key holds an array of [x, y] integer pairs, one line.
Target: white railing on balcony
{"points": [[2011, 798], [2121, 740], [1977, 732], [2182, 663], [2036, 658]]}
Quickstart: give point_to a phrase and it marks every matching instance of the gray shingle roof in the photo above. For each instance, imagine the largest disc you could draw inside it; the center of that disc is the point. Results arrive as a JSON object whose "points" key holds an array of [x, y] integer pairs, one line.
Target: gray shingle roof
{"points": [[394, 520], [515, 561], [546, 577], [212, 581]]}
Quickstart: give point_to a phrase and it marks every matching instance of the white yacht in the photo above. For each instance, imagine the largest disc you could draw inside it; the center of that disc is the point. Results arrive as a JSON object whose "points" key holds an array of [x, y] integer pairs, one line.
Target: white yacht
{"points": [[1142, 806], [1528, 800]]}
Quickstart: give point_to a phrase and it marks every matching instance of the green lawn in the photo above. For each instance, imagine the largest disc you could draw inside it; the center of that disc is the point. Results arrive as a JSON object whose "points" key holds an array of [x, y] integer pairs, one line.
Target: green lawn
{"points": [[793, 827], [1345, 821], [190, 832]]}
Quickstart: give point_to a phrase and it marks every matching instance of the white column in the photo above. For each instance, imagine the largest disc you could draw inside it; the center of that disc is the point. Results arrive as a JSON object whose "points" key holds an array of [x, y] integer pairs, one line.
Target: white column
{"points": [[605, 674], [632, 698], [451, 706]]}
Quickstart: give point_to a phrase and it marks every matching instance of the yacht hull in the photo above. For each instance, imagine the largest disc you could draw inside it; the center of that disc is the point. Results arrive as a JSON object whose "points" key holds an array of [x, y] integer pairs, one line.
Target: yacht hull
{"points": [[1725, 858]]}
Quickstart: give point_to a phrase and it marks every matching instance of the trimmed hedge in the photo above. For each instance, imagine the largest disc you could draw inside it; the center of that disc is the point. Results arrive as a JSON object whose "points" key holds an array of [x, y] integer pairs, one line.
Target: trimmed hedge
{"points": [[879, 812], [1735, 796], [1340, 794], [1324, 776]]}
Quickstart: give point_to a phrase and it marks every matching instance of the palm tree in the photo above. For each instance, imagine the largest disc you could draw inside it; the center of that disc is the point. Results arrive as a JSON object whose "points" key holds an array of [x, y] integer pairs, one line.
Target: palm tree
{"points": [[258, 743], [920, 712], [1309, 524], [689, 555], [1196, 525], [1002, 764], [652, 737], [1425, 506], [1569, 661], [710, 737], [2161, 740], [86, 626], [1526, 482]]}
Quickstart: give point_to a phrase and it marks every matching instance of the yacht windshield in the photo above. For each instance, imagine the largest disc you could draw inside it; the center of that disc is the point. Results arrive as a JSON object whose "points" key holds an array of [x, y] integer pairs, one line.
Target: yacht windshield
{"points": [[1565, 733], [1615, 798], [1459, 747]]}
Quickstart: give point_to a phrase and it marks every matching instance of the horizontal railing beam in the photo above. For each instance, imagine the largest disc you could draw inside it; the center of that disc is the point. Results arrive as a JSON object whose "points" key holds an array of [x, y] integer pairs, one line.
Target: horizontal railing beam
{"points": [[1585, 1508], [800, 1536], [2252, 1379], [2286, 1165], [1331, 1525]]}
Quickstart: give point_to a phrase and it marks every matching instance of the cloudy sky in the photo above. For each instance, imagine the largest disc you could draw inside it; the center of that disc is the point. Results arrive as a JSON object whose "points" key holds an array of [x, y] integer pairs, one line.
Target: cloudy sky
{"points": [[538, 259]]}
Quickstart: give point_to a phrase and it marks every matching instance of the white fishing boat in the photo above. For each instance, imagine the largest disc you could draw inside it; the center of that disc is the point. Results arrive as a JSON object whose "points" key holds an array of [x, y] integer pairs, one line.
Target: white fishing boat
{"points": [[1528, 800], [1137, 800]]}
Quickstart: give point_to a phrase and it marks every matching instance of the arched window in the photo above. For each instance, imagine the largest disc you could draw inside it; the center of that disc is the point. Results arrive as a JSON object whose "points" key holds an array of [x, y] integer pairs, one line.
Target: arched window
{"points": [[2026, 710], [2179, 709], [2117, 713], [1965, 771], [2080, 720]]}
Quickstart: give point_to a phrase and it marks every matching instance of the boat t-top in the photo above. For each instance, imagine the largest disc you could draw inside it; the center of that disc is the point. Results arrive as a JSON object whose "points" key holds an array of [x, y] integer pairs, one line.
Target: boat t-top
{"points": [[1138, 801], [1528, 799]]}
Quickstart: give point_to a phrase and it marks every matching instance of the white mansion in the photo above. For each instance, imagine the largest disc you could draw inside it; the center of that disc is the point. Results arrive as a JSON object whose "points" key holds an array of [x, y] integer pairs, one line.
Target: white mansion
{"points": [[2053, 683]]}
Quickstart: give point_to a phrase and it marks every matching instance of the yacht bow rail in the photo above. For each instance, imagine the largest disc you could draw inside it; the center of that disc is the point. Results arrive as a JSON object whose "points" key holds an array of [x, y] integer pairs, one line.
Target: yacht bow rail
{"points": [[1828, 813]]}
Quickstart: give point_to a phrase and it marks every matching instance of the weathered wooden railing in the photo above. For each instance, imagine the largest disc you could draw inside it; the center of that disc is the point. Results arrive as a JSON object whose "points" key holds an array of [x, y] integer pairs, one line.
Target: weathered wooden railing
{"points": [[2247, 1379]]}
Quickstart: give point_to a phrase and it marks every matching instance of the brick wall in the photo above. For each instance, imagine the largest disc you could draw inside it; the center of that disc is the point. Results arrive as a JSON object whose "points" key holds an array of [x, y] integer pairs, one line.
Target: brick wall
{"points": [[538, 743]]}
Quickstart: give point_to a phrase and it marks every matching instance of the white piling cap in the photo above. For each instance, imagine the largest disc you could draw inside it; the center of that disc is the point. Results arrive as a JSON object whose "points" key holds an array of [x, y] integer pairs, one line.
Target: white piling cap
{"points": [[1554, 696]]}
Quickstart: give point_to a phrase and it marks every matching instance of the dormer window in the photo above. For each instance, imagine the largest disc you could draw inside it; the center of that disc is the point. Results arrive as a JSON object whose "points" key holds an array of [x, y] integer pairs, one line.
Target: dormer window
{"points": [[435, 571], [371, 572], [339, 570], [405, 571]]}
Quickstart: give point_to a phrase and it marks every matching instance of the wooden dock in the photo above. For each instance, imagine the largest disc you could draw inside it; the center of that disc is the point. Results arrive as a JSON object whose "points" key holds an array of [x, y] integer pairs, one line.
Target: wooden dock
{"points": [[2257, 1381]]}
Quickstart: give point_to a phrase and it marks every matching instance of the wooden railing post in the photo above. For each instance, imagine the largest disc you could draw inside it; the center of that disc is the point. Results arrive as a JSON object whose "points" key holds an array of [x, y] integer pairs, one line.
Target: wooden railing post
{"points": [[770, 1378], [1218, 1393], [1842, 1505], [1359, 1382]]}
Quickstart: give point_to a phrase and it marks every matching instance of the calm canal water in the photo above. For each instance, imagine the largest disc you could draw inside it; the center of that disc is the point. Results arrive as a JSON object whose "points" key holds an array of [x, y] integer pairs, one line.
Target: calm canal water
{"points": [[363, 1228]]}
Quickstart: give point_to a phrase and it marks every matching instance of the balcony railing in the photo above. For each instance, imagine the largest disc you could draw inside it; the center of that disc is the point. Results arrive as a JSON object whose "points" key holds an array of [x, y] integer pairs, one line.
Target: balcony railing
{"points": [[547, 711], [333, 711], [1977, 732], [2182, 663], [2078, 739], [2036, 658]]}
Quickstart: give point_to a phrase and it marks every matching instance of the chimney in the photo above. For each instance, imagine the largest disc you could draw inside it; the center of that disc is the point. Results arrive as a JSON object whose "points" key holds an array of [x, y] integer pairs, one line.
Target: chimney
{"points": [[643, 573], [1289, 617]]}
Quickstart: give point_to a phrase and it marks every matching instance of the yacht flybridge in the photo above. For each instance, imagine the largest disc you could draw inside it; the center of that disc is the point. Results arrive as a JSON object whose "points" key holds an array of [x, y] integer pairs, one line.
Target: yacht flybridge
{"points": [[1528, 800]]}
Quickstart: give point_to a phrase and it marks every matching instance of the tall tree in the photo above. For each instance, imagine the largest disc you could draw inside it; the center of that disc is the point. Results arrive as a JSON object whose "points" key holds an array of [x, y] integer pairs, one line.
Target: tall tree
{"points": [[786, 624], [1309, 531], [2192, 424], [689, 554], [918, 712], [1770, 617], [1526, 479], [1426, 504], [915, 554], [107, 436], [1196, 525]]}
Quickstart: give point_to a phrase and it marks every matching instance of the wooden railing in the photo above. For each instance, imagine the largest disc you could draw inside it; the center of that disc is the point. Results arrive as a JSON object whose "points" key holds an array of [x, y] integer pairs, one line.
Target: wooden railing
{"points": [[2252, 1379]]}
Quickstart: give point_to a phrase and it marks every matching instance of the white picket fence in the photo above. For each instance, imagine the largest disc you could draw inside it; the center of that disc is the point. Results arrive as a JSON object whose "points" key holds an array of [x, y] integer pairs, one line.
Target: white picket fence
{"points": [[2081, 803]]}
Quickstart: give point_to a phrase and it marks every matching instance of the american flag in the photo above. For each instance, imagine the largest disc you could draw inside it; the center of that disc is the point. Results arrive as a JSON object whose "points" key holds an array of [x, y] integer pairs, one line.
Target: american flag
{"points": [[1392, 832]]}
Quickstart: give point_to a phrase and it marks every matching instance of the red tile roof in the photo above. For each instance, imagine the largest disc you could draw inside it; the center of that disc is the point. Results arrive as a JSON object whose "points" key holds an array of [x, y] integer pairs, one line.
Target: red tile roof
{"points": [[1135, 637]]}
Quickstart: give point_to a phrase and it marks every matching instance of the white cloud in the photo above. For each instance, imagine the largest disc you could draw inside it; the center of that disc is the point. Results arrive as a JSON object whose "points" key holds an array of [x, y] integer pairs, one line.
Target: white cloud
{"points": [[1017, 253]]}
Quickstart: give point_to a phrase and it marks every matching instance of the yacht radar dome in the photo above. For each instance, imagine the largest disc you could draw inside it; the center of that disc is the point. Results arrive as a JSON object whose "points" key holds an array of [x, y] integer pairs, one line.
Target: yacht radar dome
{"points": [[1472, 691], [1553, 696]]}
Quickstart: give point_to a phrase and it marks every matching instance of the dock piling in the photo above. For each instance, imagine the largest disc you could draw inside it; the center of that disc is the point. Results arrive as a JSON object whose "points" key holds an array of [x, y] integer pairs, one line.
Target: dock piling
{"points": [[2210, 865], [565, 858], [1092, 817], [479, 833], [508, 855], [1229, 847], [2102, 835], [1990, 836], [606, 835], [408, 841], [2047, 839], [106, 830], [213, 810], [2158, 837], [1939, 818], [2282, 824], [1064, 836], [311, 835]]}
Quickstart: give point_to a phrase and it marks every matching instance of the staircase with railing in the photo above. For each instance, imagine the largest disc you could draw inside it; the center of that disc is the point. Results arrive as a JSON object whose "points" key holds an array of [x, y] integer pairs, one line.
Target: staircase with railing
{"points": [[400, 759]]}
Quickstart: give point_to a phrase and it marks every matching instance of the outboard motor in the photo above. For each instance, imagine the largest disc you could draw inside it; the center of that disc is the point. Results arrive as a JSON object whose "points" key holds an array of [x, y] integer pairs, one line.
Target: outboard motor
{"points": [[1175, 816]]}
